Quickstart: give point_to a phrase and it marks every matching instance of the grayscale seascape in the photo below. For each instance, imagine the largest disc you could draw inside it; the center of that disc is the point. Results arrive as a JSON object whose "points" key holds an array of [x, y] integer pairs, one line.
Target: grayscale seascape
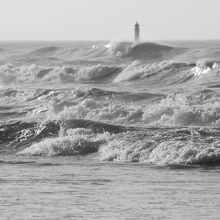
{"points": [[89, 130], [109, 109]]}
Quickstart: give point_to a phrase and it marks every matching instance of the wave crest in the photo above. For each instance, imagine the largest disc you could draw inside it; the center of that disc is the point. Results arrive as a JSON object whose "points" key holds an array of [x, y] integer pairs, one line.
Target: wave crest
{"points": [[144, 147], [70, 145], [204, 67], [176, 109], [97, 72], [10, 74], [146, 50], [137, 70]]}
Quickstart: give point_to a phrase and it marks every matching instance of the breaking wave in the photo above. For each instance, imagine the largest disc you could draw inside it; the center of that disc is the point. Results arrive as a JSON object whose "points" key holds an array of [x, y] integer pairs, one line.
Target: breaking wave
{"points": [[158, 145], [65, 146], [206, 66], [146, 50], [162, 72], [144, 103], [124, 50], [176, 147], [186, 146], [10, 74], [174, 110], [137, 70]]}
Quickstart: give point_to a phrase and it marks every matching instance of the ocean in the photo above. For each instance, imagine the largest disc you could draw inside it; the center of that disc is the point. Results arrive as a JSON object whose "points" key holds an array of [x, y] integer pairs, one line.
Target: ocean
{"points": [[110, 130]]}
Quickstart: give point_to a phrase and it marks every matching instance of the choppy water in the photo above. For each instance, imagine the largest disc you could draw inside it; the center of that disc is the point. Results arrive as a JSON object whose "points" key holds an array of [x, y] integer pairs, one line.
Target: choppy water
{"points": [[109, 130]]}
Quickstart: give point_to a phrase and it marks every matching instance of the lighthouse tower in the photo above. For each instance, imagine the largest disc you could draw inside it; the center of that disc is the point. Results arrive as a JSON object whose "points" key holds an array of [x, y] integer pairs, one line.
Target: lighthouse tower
{"points": [[137, 33]]}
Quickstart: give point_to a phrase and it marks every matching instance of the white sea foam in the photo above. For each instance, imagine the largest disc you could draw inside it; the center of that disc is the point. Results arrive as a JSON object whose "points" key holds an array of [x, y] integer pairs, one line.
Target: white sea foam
{"points": [[176, 109], [138, 70], [193, 100], [180, 109], [157, 146], [134, 147], [166, 71], [204, 67], [77, 142], [10, 74], [185, 153], [96, 72], [97, 111]]}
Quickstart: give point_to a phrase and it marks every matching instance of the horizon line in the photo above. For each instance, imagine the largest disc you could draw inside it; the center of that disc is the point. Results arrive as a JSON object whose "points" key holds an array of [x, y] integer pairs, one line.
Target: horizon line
{"points": [[106, 40]]}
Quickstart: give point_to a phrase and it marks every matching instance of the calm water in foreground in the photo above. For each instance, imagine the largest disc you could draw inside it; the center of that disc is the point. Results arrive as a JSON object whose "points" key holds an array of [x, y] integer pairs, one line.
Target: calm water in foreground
{"points": [[82, 188]]}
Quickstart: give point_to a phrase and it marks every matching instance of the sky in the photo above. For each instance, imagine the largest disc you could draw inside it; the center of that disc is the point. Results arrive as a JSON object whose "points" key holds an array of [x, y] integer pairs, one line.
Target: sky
{"points": [[109, 19]]}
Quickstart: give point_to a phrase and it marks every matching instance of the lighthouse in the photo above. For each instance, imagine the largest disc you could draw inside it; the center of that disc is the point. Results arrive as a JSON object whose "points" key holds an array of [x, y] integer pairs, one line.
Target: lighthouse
{"points": [[137, 33]]}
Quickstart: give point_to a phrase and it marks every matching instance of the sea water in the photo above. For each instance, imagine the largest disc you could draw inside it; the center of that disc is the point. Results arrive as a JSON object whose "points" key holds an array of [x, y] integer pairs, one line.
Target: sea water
{"points": [[110, 130]]}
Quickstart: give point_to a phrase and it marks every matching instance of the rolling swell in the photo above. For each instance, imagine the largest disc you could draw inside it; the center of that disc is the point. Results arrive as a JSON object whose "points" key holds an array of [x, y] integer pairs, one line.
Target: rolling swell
{"points": [[21, 134], [146, 50], [155, 145], [44, 51], [176, 122], [99, 73], [53, 54], [113, 52], [94, 93], [159, 146], [18, 135], [10, 74], [166, 72], [177, 109]]}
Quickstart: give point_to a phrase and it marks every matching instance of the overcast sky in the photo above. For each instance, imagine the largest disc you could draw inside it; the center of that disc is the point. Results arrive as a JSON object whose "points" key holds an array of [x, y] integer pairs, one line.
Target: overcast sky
{"points": [[109, 19]]}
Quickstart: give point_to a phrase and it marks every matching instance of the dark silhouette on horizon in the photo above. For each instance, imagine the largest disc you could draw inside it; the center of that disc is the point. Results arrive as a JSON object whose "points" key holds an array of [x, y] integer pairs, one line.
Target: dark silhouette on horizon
{"points": [[137, 33]]}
